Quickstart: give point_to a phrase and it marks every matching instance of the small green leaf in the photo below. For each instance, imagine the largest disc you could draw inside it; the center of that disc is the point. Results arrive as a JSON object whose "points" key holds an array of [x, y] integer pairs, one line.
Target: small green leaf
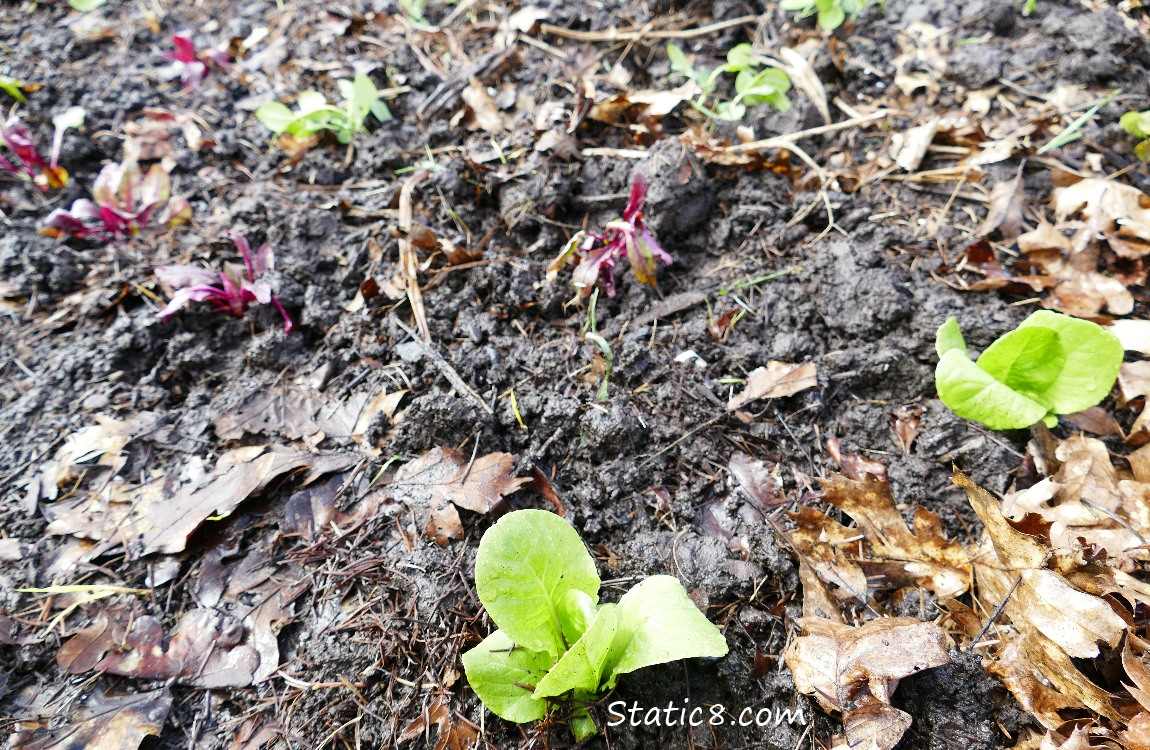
{"points": [[1093, 359], [973, 393], [72, 117], [1136, 124], [576, 613], [658, 623], [86, 5], [583, 726], [380, 110], [678, 60], [949, 336], [526, 564], [832, 18], [1026, 360], [581, 668], [275, 116], [740, 57], [12, 87], [310, 101], [502, 675]]}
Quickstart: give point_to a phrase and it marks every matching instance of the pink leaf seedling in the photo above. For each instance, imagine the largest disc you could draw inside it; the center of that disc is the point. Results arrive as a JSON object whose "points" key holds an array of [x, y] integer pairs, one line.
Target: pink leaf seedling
{"points": [[628, 237], [231, 290], [191, 65]]}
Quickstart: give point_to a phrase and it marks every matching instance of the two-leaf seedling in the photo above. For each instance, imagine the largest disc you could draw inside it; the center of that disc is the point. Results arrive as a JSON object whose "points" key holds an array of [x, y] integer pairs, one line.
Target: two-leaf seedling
{"points": [[832, 13], [1051, 364], [1137, 124], [313, 113], [752, 85], [539, 585]]}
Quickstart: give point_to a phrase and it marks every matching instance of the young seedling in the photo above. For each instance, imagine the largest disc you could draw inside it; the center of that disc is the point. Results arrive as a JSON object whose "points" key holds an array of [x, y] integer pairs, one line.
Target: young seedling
{"points": [[124, 202], [831, 13], [46, 173], [314, 114], [555, 642], [238, 285], [1137, 124], [191, 65], [628, 236], [13, 87], [752, 86], [1051, 364]]}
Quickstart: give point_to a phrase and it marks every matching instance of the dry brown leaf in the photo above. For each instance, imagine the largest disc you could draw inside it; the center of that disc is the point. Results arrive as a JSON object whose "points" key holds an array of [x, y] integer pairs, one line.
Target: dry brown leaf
{"points": [[164, 525], [1004, 209], [759, 483], [1079, 739], [909, 149], [484, 110], [923, 556], [1137, 733], [854, 465], [829, 550], [103, 442], [299, 412], [906, 424], [806, 80], [776, 380], [855, 669], [106, 722], [1134, 380], [441, 479]]}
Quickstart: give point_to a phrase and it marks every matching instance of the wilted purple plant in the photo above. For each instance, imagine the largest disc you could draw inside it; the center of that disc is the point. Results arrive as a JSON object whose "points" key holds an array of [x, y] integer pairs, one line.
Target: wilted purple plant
{"points": [[191, 65], [124, 203], [238, 285], [627, 236], [17, 136]]}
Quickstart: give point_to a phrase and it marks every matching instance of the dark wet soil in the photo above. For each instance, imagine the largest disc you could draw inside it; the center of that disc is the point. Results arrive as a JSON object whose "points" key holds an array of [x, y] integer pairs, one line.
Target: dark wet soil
{"points": [[642, 475]]}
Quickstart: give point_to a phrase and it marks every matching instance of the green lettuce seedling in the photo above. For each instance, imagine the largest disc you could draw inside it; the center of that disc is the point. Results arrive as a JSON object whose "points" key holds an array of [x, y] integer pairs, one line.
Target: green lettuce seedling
{"points": [[1051, 364], [831, 13], [1137, 124], [314, 114], [539, 585], [752, 85]]}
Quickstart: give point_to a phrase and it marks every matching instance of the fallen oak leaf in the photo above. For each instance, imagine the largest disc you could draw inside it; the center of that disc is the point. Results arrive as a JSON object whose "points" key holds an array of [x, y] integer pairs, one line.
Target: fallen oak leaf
{"points": [[923, 556], [165, 525], [106, 722], [856, 669], [441, 479], [776, 380]]}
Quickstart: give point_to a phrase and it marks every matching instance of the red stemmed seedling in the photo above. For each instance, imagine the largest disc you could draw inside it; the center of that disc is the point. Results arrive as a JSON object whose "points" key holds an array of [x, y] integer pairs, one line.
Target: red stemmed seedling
{"points": [[191, 65], [230, 291], [17, 136], [628, 237], [124, 202]]}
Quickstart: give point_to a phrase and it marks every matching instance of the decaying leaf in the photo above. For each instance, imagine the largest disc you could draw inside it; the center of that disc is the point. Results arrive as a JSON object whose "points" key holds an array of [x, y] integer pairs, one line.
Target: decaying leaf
{"points": [[103, 442], [106, 722], [1004, 209], [854, 465], [776, 380], [923, 557], [441, 479], [164, 525], [299, 412], [854, 670], [757, 481], [909, 149]]}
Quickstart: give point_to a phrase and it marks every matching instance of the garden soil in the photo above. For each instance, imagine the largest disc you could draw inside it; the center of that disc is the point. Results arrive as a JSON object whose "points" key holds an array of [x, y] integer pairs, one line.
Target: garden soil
{"points": [[854, 280]]}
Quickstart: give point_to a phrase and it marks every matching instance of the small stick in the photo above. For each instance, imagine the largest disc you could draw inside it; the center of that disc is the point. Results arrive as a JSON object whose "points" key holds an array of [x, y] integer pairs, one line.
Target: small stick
{"points": [[407, 259], [782, 141], [993, 617], [445, 367], [614, 35]]}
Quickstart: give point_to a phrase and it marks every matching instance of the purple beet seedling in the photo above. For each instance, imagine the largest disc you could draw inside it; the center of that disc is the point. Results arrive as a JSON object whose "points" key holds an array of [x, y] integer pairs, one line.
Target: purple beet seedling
{"points": [[628, 237], [230, 291], [191, 65], [125, 201], [17, 136]]}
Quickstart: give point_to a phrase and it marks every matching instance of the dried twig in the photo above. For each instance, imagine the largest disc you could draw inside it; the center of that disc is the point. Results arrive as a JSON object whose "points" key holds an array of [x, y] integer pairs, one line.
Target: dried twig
{"points": [[445, 367], [407, 259], [630, 35], [788, 139]]}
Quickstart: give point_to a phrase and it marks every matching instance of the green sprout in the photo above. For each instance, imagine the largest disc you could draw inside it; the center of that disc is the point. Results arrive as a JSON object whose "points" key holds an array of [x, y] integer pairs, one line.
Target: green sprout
{"points": [[1137, 124], [752, 85], [314, 114], [831, 13], [556, 643], [1051, 364]]}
